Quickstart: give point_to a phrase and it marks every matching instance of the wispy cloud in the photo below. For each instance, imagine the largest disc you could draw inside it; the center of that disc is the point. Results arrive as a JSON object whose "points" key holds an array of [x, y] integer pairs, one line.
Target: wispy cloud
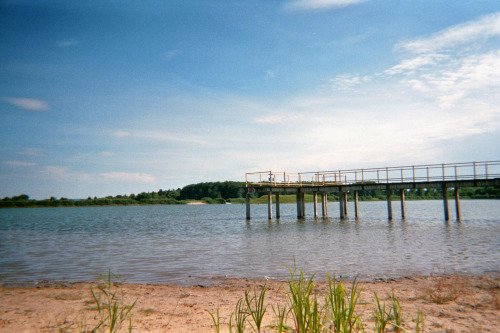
{"points": [[277, 118], [67, 43], [27, 103], [413, 64], [31, 152], [129, 177], [19, 163], [485, 27], [152, 135], [320, 4], [172, 54], [454, 65], [269, 75], [348, 81]]}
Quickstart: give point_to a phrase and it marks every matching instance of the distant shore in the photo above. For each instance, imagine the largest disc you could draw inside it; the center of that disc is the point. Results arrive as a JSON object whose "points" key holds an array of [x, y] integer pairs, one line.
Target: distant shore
{"points": [[470, 303]]}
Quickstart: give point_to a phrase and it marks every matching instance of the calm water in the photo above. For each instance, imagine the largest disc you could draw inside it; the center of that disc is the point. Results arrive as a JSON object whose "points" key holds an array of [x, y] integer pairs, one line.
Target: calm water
{"points": [[174, 244]]}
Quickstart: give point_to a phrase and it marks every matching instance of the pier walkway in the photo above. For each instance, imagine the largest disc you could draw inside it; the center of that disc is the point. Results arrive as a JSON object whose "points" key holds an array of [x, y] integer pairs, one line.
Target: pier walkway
{"points": [[390, 179]]}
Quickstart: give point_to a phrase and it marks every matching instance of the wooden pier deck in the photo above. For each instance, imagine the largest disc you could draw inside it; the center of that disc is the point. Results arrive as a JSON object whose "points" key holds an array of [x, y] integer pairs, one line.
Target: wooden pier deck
{"points": [[390, 179]]}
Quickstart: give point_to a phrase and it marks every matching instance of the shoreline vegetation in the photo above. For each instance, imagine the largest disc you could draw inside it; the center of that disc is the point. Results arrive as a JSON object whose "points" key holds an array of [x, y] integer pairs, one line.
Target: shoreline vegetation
{"points": [[436, 303], [226, 192]]}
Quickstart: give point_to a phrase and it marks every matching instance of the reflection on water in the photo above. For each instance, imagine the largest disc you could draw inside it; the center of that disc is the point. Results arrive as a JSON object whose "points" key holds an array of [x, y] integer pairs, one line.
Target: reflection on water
{"points": [[179, 243]]}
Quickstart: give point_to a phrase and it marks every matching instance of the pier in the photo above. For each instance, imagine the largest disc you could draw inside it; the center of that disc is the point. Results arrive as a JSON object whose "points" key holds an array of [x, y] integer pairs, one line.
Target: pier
{"points": [[392, 180]]}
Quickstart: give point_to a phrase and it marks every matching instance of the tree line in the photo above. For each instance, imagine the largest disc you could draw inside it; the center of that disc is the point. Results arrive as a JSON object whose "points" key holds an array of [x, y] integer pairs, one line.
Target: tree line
{"points": [[210, 192], [225, 192]]}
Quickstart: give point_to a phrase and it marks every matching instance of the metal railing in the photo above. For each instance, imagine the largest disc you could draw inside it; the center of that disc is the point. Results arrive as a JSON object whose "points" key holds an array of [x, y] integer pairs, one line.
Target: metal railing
{"points": [[402, 174]]}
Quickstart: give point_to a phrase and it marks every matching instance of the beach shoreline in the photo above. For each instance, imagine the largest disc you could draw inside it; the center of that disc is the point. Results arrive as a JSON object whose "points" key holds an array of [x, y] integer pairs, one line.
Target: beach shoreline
{"points": [[470, 303]]}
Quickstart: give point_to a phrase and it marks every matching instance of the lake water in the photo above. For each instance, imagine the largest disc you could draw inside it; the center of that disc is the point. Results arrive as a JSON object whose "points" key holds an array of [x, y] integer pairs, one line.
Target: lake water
{"points": [[189, 243]]}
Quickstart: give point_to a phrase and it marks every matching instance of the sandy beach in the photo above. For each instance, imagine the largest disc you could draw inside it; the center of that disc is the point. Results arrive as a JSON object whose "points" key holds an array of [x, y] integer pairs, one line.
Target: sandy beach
{"points": [[450, 303]]}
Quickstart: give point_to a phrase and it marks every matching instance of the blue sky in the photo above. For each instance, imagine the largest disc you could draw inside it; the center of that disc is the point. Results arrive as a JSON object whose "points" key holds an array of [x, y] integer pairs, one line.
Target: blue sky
{"points": [[116, 97]]}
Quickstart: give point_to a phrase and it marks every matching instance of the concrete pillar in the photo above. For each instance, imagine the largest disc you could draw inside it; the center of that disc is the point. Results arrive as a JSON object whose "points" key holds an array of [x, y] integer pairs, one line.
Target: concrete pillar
{"points": [[403, 210], [457, 204], [324, 203], [301, 208], [315, 200], [342, 204], [278, 205], [345, 204], [299, 204], [445, 203], [303, 201], [270, 205], [389, 203], [356, 212], [248, 206]]}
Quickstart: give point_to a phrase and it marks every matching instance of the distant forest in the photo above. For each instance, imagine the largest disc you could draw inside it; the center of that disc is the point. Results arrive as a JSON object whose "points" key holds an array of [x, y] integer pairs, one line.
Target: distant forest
{"points": [[225, 192]]}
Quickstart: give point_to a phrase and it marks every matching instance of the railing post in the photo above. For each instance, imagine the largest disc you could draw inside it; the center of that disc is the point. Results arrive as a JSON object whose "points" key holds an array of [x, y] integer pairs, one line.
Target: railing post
{"points": [[378, 176], [474, 164], [456, 174], [413, 168], [444, 176], [427, 174], [387, 174], [402, 177], [363, 176], [486, 169]]}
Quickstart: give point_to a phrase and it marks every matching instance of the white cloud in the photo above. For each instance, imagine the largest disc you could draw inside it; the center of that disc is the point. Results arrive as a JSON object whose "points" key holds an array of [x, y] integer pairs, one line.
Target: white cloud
{"points": [[485, 27], [269, 75], [466, 69], [159, 136], [412, 64], [348, 81], [67, 43], [172, 54], [31, 152], [27, 103], [128, 177], [320, 4], [121, 134], [19, 163], [277, 118]]}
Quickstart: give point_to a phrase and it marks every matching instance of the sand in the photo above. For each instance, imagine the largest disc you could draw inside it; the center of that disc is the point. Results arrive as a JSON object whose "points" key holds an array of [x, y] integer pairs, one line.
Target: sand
{"points": [[470, 304]]}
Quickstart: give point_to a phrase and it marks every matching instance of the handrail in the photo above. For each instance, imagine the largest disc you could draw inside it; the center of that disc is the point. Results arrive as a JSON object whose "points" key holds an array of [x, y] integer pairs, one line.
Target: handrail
{"points": [[402, 174]]}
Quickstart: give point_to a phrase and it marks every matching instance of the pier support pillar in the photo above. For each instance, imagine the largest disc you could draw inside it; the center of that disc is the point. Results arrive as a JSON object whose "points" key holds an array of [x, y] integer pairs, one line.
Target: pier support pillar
{"points": [[248, 206], [270, 205], [356, 212], [445, 203], [324, 203], [342, 204], [303, 201], [315, 200], [300, 204], [389, 203], [345, 204], [403, 210], [457, 204], [278, 205]]}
